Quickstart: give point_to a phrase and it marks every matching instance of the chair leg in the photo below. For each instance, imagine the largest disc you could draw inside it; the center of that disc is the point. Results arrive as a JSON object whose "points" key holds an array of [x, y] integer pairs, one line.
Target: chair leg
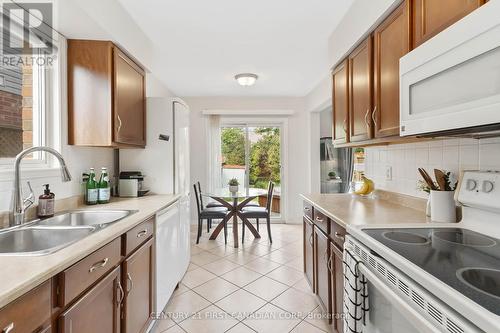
{"points": [[269, 228], [225, 232], [199, 230], [208, 225], [257, 225], [242, 231]]}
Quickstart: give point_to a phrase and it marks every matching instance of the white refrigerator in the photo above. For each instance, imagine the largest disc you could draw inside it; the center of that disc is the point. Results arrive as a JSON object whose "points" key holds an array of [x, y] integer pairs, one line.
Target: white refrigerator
{"points": [[165, 164]]}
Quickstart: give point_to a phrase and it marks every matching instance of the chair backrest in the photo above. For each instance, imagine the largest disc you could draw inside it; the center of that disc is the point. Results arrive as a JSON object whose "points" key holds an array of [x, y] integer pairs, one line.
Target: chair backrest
{"points": [[197, 196], [201, 197], [270, 190]]}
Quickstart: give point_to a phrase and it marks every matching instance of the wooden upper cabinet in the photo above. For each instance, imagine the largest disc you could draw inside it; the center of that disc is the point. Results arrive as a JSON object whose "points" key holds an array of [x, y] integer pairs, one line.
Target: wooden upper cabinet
{"points": [[360, 91], [106, 96], [391, 42], [340, 103], [431, 16]]}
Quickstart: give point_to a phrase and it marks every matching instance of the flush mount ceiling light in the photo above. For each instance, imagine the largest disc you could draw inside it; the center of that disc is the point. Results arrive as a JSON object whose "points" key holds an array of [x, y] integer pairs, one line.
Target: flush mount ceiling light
{"points": [[246, 79]]}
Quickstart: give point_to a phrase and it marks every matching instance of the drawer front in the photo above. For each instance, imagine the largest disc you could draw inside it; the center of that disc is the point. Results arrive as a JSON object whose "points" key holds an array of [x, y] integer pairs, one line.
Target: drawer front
{"points": [[137, 236], [322, 221], [338, 234], [308, 210], [28, 313], [87, 271]]}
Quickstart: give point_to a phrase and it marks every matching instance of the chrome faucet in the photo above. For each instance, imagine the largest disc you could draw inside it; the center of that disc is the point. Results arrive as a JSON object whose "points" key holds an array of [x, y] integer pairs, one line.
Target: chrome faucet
{"points": [[20, 205]]}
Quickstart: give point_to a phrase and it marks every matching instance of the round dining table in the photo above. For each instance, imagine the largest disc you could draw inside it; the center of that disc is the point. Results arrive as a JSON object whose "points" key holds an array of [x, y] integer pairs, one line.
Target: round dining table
{"points": [[234, 202]]}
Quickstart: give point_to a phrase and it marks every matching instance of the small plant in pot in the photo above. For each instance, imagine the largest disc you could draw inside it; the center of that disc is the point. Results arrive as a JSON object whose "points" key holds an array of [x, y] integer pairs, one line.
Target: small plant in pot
{"points": [[233, 185], [332, 175]]}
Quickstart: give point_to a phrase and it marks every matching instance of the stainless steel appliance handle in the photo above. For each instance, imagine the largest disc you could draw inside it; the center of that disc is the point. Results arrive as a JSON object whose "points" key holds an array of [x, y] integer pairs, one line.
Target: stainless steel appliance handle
{"points": [[418, 320], [8, 328]]}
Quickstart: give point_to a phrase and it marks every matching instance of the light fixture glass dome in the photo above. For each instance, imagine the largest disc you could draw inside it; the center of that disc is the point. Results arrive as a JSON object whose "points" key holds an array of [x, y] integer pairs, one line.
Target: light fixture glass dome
{"points": [[246, 79]]}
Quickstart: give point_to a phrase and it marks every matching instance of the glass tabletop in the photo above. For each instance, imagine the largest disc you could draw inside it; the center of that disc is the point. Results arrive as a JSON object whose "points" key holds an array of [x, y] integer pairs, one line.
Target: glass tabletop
{"points": [[241, 194]]}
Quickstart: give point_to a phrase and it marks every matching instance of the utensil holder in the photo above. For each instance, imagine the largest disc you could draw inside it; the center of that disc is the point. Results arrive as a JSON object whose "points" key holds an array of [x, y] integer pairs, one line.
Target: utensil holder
{"points": [[443, 207]]}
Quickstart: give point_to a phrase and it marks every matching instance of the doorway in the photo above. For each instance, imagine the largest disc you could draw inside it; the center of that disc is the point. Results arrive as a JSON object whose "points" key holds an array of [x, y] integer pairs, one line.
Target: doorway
{"points": [[253, 154]]}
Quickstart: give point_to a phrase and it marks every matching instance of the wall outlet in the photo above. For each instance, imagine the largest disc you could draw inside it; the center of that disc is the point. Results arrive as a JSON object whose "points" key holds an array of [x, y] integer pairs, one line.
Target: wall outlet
{"points": [[388, 172]]}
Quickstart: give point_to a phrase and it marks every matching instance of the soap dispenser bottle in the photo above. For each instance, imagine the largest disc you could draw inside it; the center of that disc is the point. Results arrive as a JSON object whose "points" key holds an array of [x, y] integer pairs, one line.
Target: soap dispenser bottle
{"points": [[46, 203]]}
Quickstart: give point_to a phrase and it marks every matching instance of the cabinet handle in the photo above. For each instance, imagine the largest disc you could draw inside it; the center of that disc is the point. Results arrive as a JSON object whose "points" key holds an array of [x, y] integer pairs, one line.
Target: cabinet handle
{"points": [[129, 279], [344, 125], [307, 209], [324, 257], [310, 239], [374, 115], [339, 236], [122, 293], [98, 264], [330, 261], [320, 219], [119, 123], [142, 233], [8, 328], [367, 114]]}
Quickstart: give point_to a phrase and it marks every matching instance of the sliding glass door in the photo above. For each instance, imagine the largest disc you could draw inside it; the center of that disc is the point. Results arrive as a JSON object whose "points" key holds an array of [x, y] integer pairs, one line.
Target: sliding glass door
{"points": [[252, 153]]}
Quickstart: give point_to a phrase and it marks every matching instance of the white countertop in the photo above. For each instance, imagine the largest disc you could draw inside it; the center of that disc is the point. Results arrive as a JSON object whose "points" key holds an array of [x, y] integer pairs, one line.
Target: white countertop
{"points": [[19, 274]]}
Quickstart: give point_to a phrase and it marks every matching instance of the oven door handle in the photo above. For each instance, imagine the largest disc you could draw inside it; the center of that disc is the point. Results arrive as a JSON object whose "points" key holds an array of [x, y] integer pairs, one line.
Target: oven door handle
{"points": [[421, 323]]}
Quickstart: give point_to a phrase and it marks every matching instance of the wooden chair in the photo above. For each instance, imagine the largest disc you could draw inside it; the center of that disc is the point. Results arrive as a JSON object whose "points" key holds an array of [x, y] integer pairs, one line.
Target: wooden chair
{"points": [[209, 214], [259, 213]]}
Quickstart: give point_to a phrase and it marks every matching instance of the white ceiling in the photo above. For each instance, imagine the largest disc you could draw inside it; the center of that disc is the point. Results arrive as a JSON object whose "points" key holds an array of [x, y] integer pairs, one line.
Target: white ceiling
{"points": [[202, 44]]}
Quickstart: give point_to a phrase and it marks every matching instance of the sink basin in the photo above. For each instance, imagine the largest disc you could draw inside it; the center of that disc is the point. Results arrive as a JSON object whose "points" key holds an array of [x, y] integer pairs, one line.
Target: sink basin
{"points": [[38, 241], [77, 218]]}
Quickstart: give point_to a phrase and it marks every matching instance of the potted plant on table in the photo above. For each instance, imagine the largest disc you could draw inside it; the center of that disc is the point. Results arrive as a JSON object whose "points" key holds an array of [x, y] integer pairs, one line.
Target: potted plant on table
{"points": [[332, 175], [233, 185]]}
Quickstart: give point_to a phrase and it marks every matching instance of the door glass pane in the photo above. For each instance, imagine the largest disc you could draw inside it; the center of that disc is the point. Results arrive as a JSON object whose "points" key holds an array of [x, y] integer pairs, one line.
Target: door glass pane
{"points": [[265, 163], [233, 141]]}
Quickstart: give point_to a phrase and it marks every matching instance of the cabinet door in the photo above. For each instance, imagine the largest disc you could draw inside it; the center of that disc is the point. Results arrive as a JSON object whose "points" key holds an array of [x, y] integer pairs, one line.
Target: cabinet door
{"points": [[337, 288], [392, 41], [340, 103], [322, 272], [129, 101], [431, 17], [309, 252], [360, 92], [138, 282], [98, 311]]}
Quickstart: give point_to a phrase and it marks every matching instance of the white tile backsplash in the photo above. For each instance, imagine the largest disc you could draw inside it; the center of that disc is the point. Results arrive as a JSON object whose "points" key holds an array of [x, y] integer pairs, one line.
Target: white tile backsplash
{"points": [[452, 155]]}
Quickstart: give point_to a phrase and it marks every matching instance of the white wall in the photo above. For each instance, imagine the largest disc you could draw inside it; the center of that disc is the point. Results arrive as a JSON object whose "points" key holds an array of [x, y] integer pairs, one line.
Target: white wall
{"points": [[325, 123], [298, 141], [453, 155]]}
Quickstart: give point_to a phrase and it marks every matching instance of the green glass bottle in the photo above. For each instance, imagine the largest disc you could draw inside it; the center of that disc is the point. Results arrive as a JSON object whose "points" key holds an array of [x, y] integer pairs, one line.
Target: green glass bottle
{"points": [[103, 186], [92, 191]]}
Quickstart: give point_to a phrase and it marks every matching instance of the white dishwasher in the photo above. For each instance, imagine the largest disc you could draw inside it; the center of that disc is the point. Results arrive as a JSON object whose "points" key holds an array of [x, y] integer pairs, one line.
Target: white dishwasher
{"points": [[169, 253]]}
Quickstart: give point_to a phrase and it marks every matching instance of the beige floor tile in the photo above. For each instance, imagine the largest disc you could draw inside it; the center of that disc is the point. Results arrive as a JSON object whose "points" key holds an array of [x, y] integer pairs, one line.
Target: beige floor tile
{"points": [[241, 276], [286, 275], [192, 267], [303, 286], [209, 320], [216, 289], [196, 250], [204, 258], [185, 305], [297, 263], [174, 329], [262, 266], [258, 250], [266, 288], [162, 325], [319, 320], [221, 266], [181, 290], [197, 277], [240, 304], [280, 256], [296, 301], [270, 319], [241, 328], [206, 244], [305, 327], [241, 257], [224, 250]]}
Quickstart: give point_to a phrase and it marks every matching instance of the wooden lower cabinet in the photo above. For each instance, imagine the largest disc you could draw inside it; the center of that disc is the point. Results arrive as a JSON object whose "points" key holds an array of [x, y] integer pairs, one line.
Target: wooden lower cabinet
{"points": [[98, 310], [309, 252], [322, 272], [138, 284], [337, 288]]}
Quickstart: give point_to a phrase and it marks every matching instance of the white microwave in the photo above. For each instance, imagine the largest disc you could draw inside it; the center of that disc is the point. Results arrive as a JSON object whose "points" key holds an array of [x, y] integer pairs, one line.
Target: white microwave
{"points": [[450, 85]]}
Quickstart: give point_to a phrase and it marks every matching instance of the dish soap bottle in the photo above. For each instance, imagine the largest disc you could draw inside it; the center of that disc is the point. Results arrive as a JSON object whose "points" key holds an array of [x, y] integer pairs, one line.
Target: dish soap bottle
{"points": [[92, 191], [46, 203], [103, 186]]}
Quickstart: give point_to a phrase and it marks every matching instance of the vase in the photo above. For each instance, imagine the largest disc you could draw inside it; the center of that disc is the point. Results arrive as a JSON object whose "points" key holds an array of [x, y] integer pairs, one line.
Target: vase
{"points": [[443, 207], [233, 188], [428, 206]]}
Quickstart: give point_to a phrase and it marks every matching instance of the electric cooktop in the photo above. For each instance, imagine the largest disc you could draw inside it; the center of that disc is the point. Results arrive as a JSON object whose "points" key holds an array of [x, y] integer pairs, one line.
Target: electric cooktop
{"points": [[465, 260]]}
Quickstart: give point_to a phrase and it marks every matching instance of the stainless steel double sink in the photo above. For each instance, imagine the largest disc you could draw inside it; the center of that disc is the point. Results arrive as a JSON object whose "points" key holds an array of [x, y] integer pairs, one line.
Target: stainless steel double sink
{"points": [[46, 236]]}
